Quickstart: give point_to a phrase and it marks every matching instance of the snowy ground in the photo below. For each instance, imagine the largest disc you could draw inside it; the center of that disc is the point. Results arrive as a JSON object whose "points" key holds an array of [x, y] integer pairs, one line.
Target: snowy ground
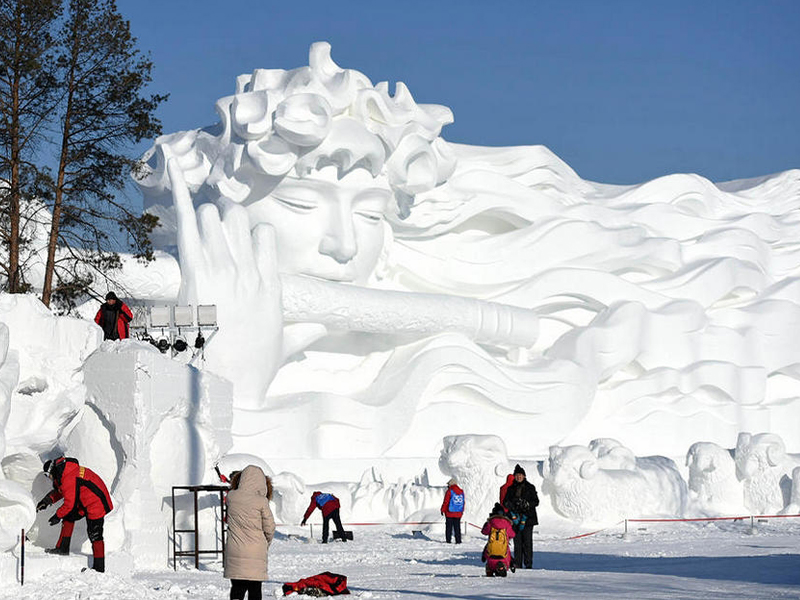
{"points": [[701, 561]]}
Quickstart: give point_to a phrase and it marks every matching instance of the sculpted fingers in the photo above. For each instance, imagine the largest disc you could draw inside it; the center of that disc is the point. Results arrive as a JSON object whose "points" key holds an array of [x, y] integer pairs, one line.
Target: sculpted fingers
{"points": [[189, 244], [266, 254], [236, 227], [217, 252]]}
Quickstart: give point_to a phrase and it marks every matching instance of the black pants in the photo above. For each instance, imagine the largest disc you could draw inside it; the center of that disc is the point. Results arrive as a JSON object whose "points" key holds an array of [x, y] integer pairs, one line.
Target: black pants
{"points": [[334, 514], [240, 586], [523, 547], [452, 525]]}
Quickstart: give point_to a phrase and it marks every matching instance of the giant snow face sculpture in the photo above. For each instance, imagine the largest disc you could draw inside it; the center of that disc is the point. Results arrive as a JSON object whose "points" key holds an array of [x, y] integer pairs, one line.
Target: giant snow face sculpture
{"points": [[357, 260], [325, 226]]}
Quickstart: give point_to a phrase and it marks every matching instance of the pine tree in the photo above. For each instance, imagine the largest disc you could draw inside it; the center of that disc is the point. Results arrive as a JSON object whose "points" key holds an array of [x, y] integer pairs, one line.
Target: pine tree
{"points": [[26, 100], [101, 76]]}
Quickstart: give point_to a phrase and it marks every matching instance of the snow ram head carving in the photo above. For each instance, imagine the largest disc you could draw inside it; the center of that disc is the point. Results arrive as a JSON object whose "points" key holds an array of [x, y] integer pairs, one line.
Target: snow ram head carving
{"points": [[764, 468], [479, 463], [712, 478], [583, 490]]}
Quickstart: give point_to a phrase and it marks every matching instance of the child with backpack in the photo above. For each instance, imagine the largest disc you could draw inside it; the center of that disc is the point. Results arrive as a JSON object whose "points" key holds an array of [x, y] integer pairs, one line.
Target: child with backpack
{"points": [[453, 510], [497, 552]]}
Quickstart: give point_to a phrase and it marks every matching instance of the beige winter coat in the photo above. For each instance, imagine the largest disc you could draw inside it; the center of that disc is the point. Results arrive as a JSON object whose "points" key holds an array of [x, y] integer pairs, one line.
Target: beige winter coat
{"points": [[250, 527]]}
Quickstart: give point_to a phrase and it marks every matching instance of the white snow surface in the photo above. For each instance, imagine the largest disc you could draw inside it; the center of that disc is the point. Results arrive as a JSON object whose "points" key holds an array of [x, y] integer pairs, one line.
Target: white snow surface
{"points": [[686, 561]]}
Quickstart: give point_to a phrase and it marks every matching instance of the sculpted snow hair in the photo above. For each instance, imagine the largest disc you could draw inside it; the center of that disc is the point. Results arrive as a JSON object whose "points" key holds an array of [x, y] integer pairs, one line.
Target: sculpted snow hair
{"points": [[302, 120]]}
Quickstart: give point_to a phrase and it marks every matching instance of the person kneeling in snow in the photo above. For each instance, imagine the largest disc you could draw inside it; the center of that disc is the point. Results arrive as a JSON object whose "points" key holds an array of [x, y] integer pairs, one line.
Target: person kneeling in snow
{"points": [[85, 495], [453, 509], [329, 505], [497, 552]]}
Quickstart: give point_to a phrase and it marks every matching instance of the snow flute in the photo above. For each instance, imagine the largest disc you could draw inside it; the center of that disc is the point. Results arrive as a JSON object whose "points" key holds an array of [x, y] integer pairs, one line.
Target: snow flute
{"points": [[349, 307]]}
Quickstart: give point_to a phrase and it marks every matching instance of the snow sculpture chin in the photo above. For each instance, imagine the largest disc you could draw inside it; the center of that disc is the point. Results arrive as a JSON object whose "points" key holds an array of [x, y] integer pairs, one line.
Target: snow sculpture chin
{"points": [[379, 288]]}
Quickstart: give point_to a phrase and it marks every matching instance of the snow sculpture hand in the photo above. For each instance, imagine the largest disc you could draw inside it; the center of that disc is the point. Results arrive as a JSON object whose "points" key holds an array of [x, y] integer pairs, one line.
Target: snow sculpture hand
{"points": [[224, 263]]}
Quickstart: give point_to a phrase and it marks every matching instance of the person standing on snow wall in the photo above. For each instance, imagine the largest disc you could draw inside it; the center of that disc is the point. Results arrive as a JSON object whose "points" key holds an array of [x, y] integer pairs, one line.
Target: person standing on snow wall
{"points": [[329, 505], [521, 501], [85, 495], [453, 509], [113, 317], [251, 528]]}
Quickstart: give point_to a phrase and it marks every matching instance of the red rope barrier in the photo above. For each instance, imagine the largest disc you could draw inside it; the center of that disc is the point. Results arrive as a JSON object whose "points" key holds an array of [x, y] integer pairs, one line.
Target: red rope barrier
{"points": [[711, 519]]}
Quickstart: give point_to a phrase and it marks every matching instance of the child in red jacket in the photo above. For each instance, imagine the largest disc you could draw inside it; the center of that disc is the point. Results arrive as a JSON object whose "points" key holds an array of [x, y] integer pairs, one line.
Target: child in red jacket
{"points": [[497, 552], [453, 509]]}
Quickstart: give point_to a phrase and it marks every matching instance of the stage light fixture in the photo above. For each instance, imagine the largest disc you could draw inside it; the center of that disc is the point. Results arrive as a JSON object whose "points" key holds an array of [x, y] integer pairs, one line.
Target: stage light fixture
{"points": [[159, 316], [180, 345], [207, 315], [184, 316], [163, 345]]}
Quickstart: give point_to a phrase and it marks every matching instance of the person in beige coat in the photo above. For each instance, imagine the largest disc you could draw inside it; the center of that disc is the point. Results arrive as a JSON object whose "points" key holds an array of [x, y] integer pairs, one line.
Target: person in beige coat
{"points": [[251, 528]]}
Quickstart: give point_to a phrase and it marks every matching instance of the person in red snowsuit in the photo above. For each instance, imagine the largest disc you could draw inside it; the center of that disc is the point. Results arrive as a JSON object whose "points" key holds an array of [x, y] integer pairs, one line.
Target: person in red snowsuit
{"points": [[84, 495], [453, 510], [329, 505], [114, 316]]}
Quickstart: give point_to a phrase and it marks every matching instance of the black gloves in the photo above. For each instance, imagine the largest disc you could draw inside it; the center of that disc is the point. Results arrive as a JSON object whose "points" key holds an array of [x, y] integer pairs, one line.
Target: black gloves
{"points": [[54, 519], [302, 523], [43, 503]]}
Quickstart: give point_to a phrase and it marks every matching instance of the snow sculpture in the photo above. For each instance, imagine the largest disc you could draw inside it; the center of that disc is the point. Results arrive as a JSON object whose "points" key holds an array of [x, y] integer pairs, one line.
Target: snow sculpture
{"points": [[237, 462], [41, 392], [611, 454], [17, 512], [581, 490], [613, 309], [9, 374], [764, 468], [480, 465], [713, 485], [793, 508], [369, 499]]}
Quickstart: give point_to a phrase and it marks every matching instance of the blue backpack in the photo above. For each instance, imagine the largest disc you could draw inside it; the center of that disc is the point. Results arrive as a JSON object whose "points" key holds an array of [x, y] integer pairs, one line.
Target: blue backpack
{"points": [[456, 502], [323, 499]]}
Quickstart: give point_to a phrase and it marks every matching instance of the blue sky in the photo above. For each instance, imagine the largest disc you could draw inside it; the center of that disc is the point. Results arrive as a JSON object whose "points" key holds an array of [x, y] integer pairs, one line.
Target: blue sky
{"points": [[623, 90]]}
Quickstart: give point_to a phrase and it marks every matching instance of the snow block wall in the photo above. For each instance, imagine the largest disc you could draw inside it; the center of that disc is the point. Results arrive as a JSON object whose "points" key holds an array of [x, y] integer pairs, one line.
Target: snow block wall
{"points": [[149, 423]]}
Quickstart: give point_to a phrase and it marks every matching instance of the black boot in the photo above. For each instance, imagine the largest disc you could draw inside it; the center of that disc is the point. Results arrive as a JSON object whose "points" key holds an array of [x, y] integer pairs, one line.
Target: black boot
{"points": [[61, 548], [99, 564]]}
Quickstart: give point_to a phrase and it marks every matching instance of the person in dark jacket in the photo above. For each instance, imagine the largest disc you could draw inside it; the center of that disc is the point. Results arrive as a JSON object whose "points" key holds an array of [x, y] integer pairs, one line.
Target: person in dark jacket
{"points": [[84, 495], [453, 509], [329, 505], [113, 317], [521, 501]]}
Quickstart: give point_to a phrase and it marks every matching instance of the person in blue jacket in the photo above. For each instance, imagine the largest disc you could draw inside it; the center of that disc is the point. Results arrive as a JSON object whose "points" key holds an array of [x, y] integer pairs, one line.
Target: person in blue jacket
{"points": [[329, 505], [453, 510]]}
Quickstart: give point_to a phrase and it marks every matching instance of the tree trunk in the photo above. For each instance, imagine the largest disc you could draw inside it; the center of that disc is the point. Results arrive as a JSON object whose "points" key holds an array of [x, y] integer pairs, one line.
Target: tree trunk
{"points": [[58, 201], [14, 281]]}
